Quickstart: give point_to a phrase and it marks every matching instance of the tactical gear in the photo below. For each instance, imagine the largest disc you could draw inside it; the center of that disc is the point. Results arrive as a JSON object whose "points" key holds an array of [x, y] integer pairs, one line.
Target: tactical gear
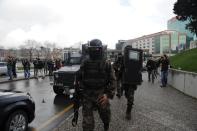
{"points": [[95, 49], [95, 43], [128, 112], [132, 66], [95, 74], [106, 126], [128, 115]]}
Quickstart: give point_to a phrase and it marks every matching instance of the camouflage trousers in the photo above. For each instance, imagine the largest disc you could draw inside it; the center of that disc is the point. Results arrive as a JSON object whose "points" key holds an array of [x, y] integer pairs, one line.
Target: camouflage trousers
{"points": [[129, 94], [88, 109], [119, 87]]}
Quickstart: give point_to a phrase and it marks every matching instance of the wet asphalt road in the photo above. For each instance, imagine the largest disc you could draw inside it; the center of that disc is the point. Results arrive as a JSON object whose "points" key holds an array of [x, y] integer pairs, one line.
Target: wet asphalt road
{"points": [[51, 109]]}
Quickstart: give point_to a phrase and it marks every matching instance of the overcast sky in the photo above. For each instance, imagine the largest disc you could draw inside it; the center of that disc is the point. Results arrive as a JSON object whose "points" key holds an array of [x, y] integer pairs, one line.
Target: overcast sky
{"points": [[67, 22]]}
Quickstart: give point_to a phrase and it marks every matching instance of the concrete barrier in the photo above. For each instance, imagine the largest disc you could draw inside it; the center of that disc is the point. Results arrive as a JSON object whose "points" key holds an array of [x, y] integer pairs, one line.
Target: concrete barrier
{"points": [[184, 81]]}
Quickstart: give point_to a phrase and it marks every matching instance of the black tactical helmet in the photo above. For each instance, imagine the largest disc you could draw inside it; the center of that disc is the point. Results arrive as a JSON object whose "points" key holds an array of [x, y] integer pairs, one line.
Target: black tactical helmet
{"points": [[95, 43], [95, 49]]}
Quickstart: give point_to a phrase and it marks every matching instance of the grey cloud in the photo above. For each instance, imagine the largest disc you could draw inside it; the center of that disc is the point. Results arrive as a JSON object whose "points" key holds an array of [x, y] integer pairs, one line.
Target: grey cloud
{"points": [[15, 15]]}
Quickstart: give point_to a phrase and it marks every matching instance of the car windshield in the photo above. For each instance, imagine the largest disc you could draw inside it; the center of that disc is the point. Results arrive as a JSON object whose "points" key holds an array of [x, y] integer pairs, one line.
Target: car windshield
{"points": [[75, 60]]}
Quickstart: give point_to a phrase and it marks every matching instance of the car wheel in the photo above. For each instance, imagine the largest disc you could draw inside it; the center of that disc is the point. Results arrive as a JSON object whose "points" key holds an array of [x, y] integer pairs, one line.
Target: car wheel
{"points": [[17, 121], [57, 90]]}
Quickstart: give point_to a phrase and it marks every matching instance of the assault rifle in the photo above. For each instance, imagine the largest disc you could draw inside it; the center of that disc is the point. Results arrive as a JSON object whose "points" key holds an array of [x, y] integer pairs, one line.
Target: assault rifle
{"points": [[77, 103]]}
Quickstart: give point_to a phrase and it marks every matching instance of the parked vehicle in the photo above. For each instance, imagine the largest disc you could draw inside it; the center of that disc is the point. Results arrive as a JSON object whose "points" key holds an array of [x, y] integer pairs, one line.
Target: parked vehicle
{"points": [[17, 109], [3, 68], [64, 77]]}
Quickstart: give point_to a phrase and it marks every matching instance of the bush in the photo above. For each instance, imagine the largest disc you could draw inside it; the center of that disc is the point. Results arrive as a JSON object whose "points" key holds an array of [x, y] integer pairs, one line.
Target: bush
{"points": [[186, 60]]}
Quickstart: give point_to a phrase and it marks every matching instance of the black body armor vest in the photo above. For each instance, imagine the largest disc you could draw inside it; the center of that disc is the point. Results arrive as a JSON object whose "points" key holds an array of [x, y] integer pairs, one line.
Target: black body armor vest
{"points": [[95, 74]]}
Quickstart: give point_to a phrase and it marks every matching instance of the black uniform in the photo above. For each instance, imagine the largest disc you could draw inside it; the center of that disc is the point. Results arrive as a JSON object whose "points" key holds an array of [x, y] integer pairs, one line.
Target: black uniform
{"points": [[151, 68], [131, 75]]}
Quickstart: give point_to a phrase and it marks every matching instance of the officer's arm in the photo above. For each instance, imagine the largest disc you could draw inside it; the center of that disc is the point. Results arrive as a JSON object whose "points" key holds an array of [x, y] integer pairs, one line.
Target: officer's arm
{"points": [[79, 73]]}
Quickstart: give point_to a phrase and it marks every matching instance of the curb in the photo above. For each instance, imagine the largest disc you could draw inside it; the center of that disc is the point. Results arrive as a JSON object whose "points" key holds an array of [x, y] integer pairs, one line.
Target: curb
{"points": [[18, 79]]}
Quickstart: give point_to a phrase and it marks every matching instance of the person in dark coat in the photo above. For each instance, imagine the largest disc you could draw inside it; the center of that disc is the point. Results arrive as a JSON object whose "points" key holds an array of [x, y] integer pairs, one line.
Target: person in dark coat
{"points": [[14, 60], [35, 63], [151, 67], [118, 73], [164, 62], [9, 67], [26, 67]]}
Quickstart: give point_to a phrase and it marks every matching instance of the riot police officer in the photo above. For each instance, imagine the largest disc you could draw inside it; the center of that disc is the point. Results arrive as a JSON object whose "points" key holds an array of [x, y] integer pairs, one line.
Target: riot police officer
{"points": [[96, 79], [131, 75]]}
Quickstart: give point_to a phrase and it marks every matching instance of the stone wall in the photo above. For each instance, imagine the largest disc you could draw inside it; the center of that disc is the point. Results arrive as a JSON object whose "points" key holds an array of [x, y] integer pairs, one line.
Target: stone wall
{"points": [[184, 81]]}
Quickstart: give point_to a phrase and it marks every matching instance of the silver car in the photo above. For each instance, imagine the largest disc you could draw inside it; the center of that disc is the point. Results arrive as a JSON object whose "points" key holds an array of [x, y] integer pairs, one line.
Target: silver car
{"points": [[3, 68]]}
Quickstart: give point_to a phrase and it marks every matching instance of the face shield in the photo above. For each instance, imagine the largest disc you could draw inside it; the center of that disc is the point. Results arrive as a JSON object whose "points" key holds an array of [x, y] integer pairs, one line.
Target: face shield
{"points": [[95, 53]]}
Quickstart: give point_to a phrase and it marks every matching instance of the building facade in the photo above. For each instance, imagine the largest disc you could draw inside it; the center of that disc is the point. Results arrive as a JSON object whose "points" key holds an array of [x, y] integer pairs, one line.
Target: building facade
{"points": [[168, 41], [180, 26], [193, 44], [120, 44]]}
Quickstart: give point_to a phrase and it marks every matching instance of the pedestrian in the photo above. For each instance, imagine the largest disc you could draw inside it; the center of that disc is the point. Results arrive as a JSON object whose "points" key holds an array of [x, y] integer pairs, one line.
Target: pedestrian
{"points": [[14, 60], [40, 67], [164, 62], [50, 64], [96, 79], [35, 63], [151, 68], [26, 68], [118, 73], [45, 67], [57, 64], [9, 67]]}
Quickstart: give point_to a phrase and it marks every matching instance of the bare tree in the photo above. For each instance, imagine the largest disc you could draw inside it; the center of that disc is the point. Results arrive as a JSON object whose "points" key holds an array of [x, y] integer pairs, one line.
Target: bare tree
{"points": [[29, 47]]}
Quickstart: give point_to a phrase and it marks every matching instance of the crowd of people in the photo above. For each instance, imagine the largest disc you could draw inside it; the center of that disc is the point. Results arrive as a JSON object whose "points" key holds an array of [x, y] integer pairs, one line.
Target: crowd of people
{"points": [[152, 69], [95, 82], [41, 67]]}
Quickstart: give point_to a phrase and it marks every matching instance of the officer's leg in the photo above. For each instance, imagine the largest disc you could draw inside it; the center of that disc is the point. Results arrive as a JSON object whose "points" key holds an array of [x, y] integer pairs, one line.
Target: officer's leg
{"points": [[162, 79], [88, 118], [105, 115], [119, 88], [149, 73], [129, 94], [166, 77]]}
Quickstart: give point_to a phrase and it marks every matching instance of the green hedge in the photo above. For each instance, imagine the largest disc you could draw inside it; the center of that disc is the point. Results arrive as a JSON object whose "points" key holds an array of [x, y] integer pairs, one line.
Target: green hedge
{"points": [[186, 60]]}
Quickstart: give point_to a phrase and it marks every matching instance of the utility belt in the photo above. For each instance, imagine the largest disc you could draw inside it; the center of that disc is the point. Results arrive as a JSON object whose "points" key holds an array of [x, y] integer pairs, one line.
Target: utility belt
{"points": [[93, 88], [94, 85]]}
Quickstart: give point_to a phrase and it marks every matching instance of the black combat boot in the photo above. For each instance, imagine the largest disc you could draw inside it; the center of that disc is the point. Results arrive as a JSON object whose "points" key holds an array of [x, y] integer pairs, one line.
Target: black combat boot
{"points": [[118, 95], [106, 126], [128, 112]]}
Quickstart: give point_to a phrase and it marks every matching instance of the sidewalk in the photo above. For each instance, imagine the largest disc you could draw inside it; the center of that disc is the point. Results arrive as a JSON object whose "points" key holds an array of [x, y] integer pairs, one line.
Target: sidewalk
{"points": [[20, 76], [155, 109]]}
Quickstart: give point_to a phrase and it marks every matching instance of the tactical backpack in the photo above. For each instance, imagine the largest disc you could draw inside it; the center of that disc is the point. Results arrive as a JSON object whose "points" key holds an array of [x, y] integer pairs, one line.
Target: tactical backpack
{"points": [[95, 74]]}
